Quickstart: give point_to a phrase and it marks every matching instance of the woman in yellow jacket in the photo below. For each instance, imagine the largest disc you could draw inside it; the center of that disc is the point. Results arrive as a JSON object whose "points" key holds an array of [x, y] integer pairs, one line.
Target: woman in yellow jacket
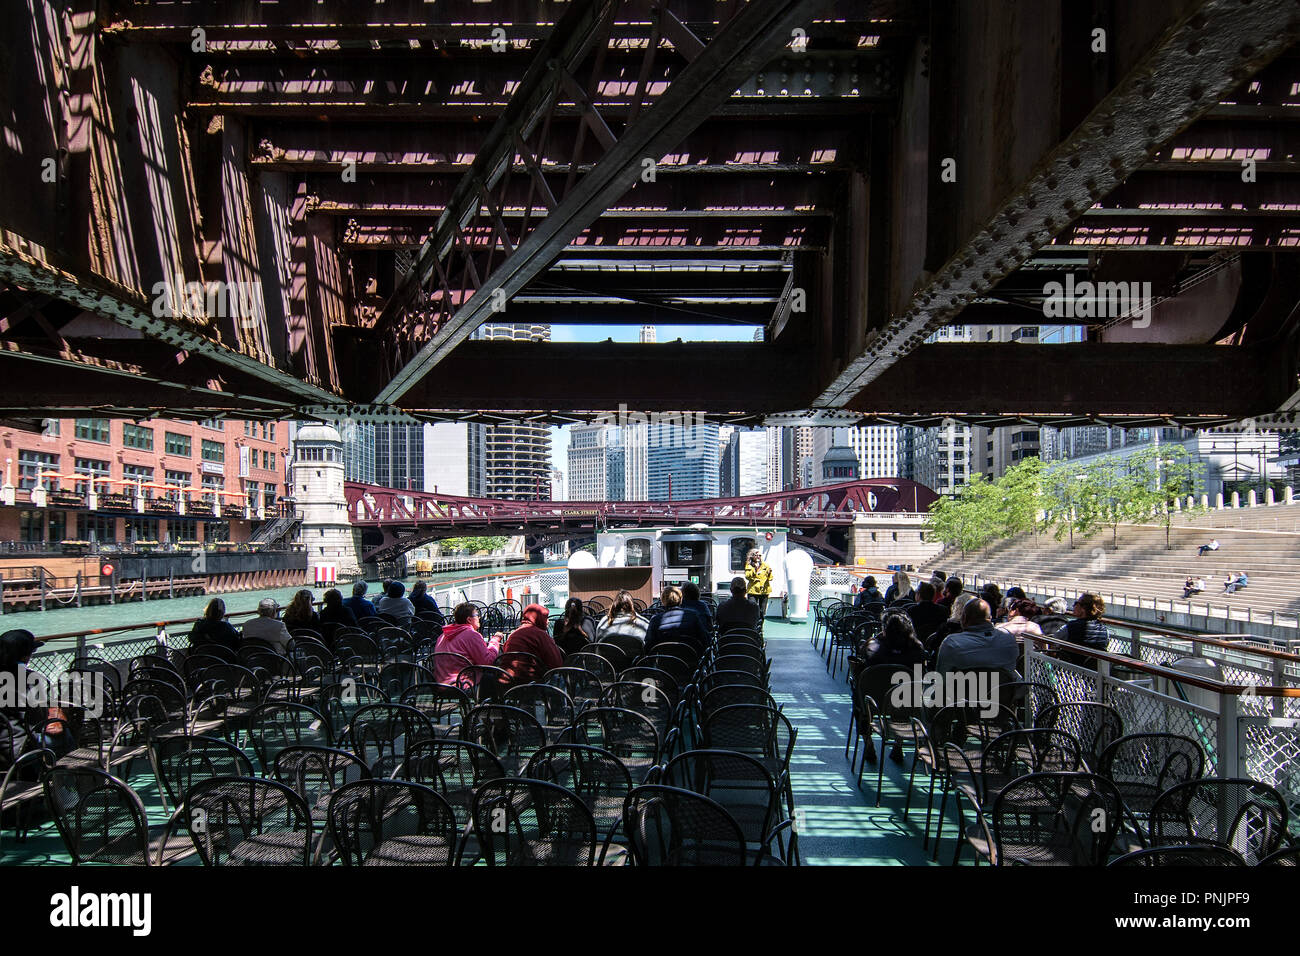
{"points": [[758, 578]]}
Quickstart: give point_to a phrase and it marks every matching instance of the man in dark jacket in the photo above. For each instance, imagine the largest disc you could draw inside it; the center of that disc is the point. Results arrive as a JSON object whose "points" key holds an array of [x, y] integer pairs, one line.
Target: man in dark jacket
{"points": [[358, 604], [926, 615], [738, 610], [676, 623]]}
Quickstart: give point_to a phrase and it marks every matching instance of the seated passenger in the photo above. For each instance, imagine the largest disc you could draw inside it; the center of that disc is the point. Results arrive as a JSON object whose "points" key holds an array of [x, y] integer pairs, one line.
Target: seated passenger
{"points": [[267, 626], [1020, 613], [358, 604], [952, 625], [334, 613], [300, 615], [1235, 582], [675, 623], [395, 605], [462, 637], [952, 588], [531, 637], [1212, 546], [573, 631], [900, 592], [870, 594], [422, 601], [896, 643], [738, 610], [1086, 629], [927, 617], [623, 627], [691, 601], [1190, 588], [213, 628], [979, 646]]}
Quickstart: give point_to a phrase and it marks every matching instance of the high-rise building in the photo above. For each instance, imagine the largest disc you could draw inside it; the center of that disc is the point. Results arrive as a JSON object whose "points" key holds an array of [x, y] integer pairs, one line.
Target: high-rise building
{"points": [[636, 460], [796, 456], [358, 451], [683, 459], [517, 456], [876, 448], [744, 469], [597, 463], [399, 456], [994, 450], [647, 334], [559, 490], [939, 458], [449, 467]]}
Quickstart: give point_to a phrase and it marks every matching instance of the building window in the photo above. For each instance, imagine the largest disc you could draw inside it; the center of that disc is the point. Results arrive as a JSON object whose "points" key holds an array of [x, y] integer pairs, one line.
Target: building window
{"points": [[214, 450], [30, 466], [178, 445], [96, 528], [134, 436], [91, 468], [216, 424], [213, 485], [177, 482], [637, 552], [93, 429], [139, 476], [740, 548], [270, 431], [248, 429]]}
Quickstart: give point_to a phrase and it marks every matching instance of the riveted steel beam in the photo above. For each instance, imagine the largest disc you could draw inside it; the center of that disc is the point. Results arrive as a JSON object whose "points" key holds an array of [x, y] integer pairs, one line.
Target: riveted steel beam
{"points": [[1202, 57]]}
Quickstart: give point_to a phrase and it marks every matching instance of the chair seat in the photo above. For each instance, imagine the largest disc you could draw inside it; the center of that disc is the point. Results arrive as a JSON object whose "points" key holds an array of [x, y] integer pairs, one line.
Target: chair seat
{"points": [[21, 792], [411, 851], [179, 847], [268, 849]]}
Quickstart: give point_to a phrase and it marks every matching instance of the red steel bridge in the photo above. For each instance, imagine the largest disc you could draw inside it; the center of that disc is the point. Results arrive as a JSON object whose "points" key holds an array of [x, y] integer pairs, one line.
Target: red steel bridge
{"points": [[394, 521]]}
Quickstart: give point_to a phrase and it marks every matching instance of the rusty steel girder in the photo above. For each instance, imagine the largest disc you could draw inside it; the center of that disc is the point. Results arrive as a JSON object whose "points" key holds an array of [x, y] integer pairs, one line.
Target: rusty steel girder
{"points": [[1198, 60]]}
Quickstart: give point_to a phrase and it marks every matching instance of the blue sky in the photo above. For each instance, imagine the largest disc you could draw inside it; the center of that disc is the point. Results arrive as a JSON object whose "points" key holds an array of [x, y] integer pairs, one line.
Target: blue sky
{"points": [[632, 333]]}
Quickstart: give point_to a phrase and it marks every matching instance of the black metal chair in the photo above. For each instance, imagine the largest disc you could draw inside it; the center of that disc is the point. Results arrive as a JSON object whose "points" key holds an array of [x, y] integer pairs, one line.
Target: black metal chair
{"points": [[445, 705], [1143, 766], [484, 683], [183, 760], [761, 732], [583, 687], [1241, 814], [511, 733], [392, 823], [341, 701], [1096, 726], [454, 768], [247, 821], [386, 730], [550, 705], [100, 818], [273, 727], [597, 664], [1056, 819], [1186, 855], [520, 822], [971, 728], [596, 776], [981, 778], [1287, 856], [746, 790], [660, 678], [21, 790], [669, 826], [398, 677], [628, 735]]}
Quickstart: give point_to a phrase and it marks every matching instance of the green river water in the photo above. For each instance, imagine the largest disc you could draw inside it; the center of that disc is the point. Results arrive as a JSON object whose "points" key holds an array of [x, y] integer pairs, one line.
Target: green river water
{"points": [[65, 620]]}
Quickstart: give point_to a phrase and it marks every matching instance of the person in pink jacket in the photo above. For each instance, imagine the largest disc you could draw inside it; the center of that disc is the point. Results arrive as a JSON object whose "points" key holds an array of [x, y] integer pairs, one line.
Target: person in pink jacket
{"points": [[462, 637]]}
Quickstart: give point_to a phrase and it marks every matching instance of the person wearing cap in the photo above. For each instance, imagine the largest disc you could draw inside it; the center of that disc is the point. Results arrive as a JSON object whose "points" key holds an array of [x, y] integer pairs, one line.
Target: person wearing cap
{"points": [[531, 637], [267, 627], [870, 594], [395, 605]]}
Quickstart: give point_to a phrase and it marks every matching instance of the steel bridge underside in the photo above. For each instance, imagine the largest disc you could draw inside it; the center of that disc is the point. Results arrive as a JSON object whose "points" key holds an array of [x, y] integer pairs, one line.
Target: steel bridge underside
{"points": [[227, 208]]}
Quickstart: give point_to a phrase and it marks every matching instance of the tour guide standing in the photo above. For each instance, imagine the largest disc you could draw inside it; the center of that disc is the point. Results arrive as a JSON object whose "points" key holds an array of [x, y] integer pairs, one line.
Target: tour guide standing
{"points": [[758, 576]]}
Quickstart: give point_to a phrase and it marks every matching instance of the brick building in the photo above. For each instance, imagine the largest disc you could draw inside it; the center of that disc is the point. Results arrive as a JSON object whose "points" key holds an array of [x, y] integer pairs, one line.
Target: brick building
{"points": [[104, 481]]}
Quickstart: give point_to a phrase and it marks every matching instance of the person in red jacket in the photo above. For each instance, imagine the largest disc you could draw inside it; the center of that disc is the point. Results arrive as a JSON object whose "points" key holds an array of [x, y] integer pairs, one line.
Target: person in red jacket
{"points": [[462, 637], [531, 637]]}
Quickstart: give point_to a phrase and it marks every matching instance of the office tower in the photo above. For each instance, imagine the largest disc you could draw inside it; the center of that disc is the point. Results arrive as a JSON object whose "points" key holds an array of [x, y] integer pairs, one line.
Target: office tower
{"points": [[516, 457], [683, 458]]}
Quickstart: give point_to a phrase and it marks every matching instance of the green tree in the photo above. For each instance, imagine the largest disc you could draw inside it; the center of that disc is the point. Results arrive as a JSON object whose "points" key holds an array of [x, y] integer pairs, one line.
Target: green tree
{"points": [[969, 518], [1020, 498], [1074, 500], [474, 545], [1162, 474]]}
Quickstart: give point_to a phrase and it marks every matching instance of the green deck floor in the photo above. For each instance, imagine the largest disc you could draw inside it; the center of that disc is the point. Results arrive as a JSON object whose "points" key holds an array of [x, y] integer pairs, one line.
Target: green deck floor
{"points": [[840, 823]]}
